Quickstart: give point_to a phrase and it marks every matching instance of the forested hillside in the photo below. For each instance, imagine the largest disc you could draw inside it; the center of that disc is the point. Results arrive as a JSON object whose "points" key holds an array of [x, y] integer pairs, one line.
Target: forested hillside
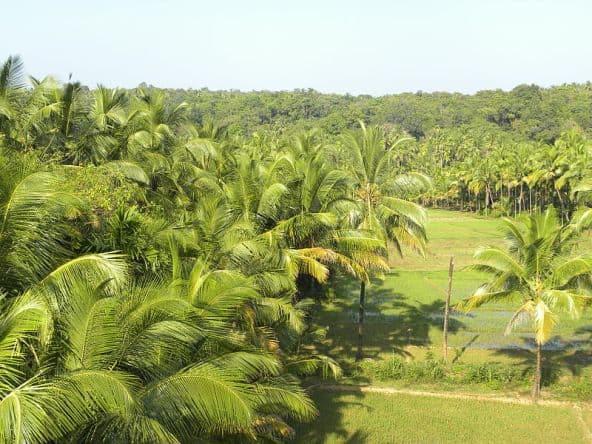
{"points": [[527, 112]]}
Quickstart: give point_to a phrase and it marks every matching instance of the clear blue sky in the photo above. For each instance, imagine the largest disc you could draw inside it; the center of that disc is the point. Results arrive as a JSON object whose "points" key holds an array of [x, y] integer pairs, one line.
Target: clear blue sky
{"points": [[361, 47]]}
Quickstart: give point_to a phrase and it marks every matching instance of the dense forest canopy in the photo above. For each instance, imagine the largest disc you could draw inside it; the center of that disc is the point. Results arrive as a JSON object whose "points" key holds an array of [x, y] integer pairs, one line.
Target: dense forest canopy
{"points": [[527, 112]]}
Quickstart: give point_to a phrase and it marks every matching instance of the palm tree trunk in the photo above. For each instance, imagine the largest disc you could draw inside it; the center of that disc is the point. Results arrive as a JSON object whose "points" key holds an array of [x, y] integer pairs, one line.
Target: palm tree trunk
{"points": [[562, 206], [361, 320], [536, 387], [529, 199]]}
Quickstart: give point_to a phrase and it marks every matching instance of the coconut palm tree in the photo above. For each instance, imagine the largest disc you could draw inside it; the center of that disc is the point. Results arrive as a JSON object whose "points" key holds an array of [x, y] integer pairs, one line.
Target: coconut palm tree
{"points": [[12, 82], [380, 192], [27, 116], [154, 123], [540, 270]]}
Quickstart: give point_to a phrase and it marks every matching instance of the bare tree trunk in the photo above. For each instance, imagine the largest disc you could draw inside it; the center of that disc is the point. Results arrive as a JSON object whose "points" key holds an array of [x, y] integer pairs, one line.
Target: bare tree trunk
{"points": [[536, 386], [361, 314], [561, 205], [529, 199], [447, 307]]}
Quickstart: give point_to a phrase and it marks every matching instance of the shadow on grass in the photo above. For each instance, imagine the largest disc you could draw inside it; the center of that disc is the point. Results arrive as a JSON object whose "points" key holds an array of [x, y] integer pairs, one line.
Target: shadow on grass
{"points": [[393, 322], [330, 426], [558, 354], [581, 355]]}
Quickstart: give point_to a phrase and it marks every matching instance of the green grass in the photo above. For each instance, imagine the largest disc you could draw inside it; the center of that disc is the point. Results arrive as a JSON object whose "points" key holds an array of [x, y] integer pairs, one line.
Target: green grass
{"points": [[380, 418], [451, 233]]}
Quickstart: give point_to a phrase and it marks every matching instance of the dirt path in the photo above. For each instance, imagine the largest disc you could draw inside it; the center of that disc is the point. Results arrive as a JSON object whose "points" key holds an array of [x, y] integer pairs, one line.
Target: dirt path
{"points": [[447, 395], [576, 407]]}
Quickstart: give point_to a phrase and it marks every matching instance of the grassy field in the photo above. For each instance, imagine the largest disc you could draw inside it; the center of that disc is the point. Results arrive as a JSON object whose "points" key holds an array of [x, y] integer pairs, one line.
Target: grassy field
{"points": [[451, 233], [404, 311], [404, 317], [378, 418]]}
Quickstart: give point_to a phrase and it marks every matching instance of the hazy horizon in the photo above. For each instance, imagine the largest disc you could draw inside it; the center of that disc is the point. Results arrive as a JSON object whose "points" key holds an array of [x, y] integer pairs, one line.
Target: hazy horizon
{"points": [[375, 48]]}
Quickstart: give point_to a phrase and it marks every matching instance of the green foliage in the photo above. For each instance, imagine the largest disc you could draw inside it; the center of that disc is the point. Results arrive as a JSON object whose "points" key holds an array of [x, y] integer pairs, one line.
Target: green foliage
{"points": [[528, 111], [493, 375], [102, 189], [577, 389], [200, 336], [140, 237], [395, 368]]}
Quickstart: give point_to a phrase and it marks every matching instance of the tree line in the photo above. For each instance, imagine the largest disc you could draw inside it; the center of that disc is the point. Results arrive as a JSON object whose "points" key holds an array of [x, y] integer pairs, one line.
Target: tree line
{"points": [[494, 152], [527, 112], [489, 173]]}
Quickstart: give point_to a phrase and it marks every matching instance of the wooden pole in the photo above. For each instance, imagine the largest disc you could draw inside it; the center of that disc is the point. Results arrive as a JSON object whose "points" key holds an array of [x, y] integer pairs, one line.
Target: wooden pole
{"points": [[447, 307]]}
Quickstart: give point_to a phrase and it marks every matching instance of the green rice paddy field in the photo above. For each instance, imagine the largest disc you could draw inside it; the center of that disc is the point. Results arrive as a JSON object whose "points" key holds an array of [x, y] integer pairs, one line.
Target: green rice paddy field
{"points": [[404, 317], [404, 311]]}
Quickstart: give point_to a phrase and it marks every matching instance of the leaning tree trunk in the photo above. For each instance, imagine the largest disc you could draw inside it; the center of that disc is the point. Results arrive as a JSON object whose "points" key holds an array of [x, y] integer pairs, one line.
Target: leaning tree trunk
{"points": [[447, 307], [536, 386], [361, 320]]}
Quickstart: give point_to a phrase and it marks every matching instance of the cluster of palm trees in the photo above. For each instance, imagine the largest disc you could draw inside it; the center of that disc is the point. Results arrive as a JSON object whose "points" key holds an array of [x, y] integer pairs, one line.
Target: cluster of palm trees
{"points": [[156, 274], [492, 174]]}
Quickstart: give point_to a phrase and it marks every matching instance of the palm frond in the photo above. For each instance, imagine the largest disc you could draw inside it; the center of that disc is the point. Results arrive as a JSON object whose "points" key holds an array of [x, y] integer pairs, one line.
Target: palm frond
{"points": [[544, 321], [483, 295], [499, 260]]}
